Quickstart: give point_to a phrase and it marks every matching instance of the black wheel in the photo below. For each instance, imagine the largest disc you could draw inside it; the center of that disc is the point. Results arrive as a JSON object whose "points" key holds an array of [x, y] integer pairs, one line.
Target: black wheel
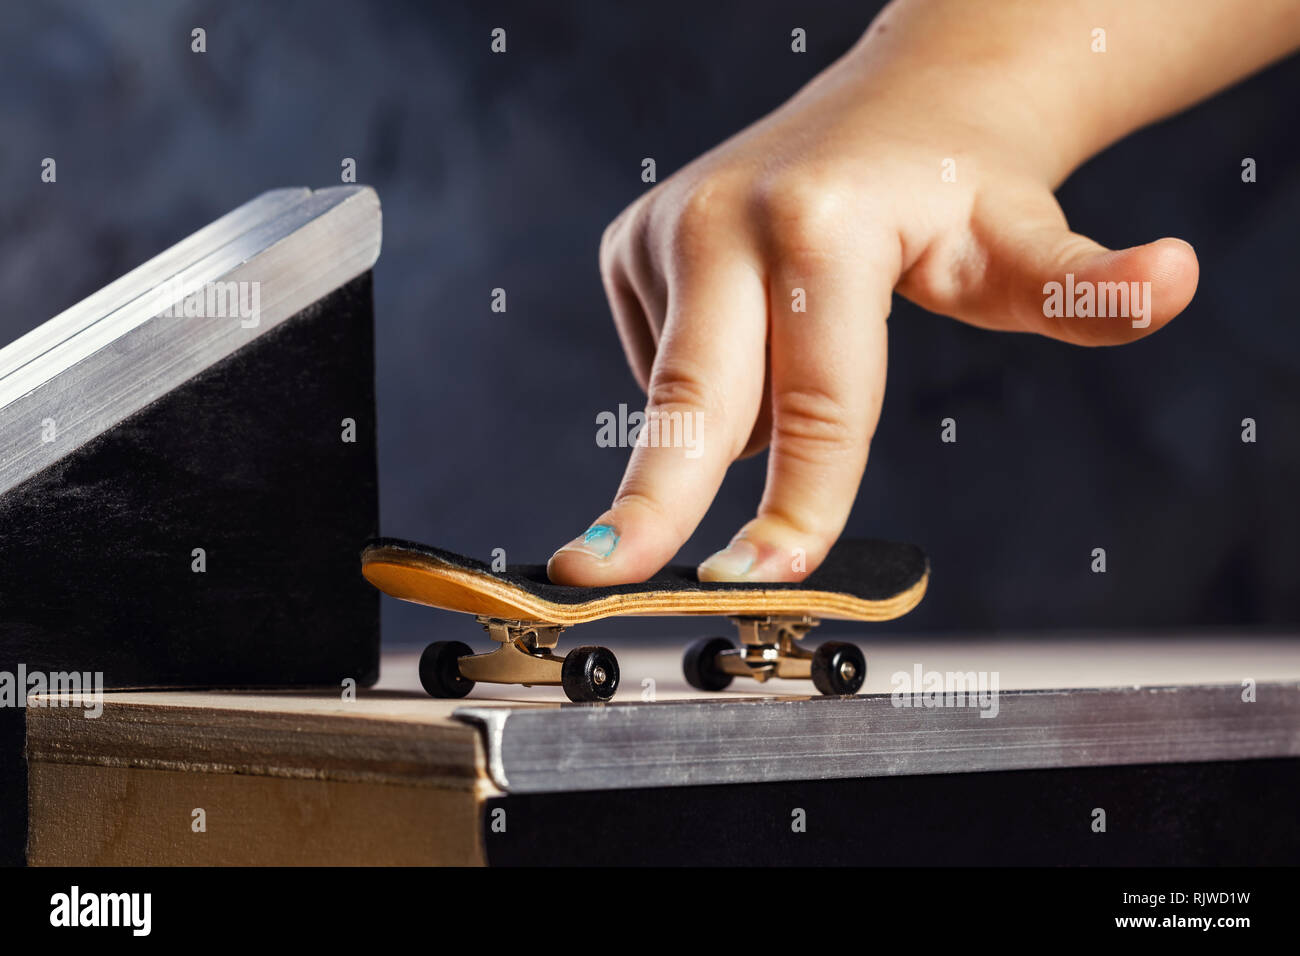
{"points": [[440, 672], [838, 668], [589, 674], [700, 663]]}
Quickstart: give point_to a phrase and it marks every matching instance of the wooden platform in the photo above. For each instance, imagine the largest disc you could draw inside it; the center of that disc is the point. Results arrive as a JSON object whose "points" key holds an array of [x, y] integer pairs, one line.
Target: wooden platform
{"points": [[395, 777]]}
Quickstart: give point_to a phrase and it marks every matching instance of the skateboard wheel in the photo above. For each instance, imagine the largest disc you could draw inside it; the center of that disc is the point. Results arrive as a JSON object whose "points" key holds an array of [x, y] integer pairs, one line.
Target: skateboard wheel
{"points": [[589, 674], [700, 663], [838, 668], [440, 669]]}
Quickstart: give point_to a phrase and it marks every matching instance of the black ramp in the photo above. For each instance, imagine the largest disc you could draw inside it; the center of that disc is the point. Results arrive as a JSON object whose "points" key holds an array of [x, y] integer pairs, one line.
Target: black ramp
{"points": [[242, 455]]}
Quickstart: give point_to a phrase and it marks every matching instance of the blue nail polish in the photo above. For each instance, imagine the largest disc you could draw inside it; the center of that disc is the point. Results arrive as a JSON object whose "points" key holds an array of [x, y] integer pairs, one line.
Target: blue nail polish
{"points": [[600, 540]]}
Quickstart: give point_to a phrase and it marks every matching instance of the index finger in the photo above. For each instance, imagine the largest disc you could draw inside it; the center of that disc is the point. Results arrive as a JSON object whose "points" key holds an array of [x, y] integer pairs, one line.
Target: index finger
{"points": [[704, 395]]}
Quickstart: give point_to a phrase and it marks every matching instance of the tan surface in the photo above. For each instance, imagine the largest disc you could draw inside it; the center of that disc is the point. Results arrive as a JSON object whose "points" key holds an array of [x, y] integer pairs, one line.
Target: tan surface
{"points": [[89, 815], [284, 777], [426, 580], [381, 736]]}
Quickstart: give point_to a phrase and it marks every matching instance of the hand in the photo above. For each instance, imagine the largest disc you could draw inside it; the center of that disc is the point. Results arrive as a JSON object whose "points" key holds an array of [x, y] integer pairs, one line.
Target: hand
{"points": [[833, 202]]}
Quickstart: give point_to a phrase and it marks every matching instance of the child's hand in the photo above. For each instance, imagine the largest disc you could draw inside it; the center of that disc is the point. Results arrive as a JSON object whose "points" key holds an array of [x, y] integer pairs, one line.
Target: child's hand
{"points": [[884, 173]]}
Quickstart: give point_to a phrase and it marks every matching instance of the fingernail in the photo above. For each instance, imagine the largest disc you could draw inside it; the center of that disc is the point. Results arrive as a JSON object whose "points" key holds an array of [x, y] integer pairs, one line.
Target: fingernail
{"points": [[598, 540], [731, 563]]}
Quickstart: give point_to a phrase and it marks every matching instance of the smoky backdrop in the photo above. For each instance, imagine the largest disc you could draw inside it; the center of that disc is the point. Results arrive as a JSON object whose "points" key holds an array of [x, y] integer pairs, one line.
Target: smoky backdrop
{"points": [[501, 171]]}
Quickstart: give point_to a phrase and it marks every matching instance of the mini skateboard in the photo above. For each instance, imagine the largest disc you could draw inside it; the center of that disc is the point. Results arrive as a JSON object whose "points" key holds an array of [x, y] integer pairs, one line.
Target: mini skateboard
{"points": [[524, 612]]}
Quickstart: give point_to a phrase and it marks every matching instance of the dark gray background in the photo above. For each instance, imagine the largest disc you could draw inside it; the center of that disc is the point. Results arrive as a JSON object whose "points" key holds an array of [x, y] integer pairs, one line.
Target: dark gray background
{"points": [[503, 171]]}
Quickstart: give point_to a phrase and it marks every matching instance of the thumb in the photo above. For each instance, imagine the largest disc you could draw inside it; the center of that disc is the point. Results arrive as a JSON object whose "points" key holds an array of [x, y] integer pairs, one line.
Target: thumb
{"points": [[1044, 278]]}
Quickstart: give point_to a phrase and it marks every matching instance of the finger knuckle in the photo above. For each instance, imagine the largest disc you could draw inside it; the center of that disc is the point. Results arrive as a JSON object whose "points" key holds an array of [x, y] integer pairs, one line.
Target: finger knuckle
{"points": [[802, 215], [622, 231], [813, 425], [699, 217], [633, 495], [608, 247], [810, 525], [676, 387]]}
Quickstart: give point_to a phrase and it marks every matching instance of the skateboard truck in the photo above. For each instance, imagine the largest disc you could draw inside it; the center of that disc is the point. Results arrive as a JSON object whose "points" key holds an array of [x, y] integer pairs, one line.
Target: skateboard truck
{"points": [[587, 674], [770, 648]]}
